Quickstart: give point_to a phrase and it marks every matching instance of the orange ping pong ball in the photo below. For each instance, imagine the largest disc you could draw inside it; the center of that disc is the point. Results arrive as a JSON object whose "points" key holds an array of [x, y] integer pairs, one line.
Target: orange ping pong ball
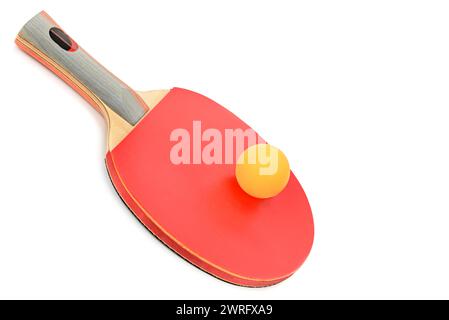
{"points": [[262, 171]]}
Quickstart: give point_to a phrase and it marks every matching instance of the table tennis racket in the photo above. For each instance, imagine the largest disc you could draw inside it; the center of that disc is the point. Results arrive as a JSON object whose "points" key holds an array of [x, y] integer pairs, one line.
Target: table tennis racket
{"points": [[198, 210]]}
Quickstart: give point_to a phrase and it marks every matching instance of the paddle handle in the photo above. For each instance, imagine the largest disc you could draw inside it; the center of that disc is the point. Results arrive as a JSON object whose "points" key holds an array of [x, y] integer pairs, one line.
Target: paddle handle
{"points": [[45, 41]]}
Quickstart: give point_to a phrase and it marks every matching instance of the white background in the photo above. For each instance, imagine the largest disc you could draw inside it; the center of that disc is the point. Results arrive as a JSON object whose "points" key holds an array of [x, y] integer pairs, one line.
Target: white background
{"points": [[355, 92]]}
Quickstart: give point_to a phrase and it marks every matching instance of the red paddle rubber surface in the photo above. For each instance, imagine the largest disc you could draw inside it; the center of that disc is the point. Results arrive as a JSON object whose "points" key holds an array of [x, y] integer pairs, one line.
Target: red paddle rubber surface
{"points": [[199, 210]]}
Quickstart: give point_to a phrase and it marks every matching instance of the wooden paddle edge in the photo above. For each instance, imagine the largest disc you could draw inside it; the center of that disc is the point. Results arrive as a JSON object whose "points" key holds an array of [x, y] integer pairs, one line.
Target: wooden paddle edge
{"points": [[174, 245]]}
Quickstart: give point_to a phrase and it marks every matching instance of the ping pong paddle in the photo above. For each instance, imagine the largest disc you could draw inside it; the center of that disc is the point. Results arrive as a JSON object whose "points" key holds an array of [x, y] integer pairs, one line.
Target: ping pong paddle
{"points": [[198, 210]]}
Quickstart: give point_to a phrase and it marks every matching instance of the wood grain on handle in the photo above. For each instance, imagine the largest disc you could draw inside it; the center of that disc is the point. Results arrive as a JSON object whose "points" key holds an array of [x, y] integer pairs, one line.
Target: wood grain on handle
{"points": [[45, 36]]}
